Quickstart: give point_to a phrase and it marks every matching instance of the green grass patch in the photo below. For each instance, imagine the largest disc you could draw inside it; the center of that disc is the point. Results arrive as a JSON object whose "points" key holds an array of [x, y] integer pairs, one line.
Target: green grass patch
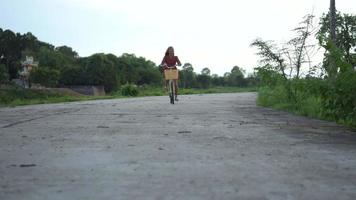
{"points": [[217, 90], [160, 91], [307, 104], [19, 96]]}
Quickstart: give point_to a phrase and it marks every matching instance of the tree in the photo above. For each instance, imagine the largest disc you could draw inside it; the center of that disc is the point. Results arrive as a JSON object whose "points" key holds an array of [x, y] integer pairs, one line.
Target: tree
{"points": [[271, 55], [11, 51], [4, 75], [29, 45], [293, 54], [54, 59], [127, 63], [345, 35], [187, 76], [67, 51], [102, 72], [74, 75], [148, 73], [238, 71], [236, 77], [137, 70], [205, 71], [216, 80], [226, 78], [12, 47], [45, 76], [268, 76], [204, 79], [299, 50], [252, 80]]}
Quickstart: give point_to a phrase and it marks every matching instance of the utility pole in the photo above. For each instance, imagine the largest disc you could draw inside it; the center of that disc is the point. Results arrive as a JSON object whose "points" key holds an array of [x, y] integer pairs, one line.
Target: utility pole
{"points": [[332, 21]]}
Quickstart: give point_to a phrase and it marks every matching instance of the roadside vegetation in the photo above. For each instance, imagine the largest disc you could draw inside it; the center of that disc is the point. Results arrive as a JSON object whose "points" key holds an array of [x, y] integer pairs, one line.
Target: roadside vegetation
{"points": [[17, 96], [288, 80]]}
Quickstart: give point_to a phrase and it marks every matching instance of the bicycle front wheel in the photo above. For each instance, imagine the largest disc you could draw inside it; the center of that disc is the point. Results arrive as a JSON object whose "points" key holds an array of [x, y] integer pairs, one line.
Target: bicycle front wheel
{"points": [[171, 94]]}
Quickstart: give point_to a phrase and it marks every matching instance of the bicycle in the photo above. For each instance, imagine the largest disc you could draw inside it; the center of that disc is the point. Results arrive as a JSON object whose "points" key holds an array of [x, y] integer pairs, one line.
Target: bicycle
{"points": [[171, 74]]}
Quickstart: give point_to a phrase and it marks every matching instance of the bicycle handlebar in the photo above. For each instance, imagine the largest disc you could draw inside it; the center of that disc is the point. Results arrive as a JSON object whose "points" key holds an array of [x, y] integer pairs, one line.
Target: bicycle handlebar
{"points": [[173, 67], [166, 67], [162, 65]]}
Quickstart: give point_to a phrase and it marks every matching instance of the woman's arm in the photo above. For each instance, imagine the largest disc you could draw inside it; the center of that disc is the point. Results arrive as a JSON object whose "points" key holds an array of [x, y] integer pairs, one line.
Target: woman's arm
{"points": [[178, 61], [163, 61]]}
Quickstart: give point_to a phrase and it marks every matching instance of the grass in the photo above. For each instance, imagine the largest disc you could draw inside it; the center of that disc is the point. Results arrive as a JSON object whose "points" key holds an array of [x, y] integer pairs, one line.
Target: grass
{"points": [[307, 105], [18, 96], [159, 91]]}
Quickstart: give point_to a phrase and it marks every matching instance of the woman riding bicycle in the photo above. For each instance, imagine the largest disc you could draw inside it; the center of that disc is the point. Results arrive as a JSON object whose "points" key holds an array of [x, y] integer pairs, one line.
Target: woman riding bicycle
{"points": [[171, 61]]}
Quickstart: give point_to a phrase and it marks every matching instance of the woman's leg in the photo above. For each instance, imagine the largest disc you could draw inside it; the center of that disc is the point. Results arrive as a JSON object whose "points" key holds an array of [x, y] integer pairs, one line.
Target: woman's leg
{"points": [[164, 82], [166, 85], [176, 87]]}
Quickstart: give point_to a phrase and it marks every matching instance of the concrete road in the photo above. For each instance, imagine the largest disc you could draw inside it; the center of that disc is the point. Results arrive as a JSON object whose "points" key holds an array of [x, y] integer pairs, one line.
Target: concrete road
{"points": [[218, 146]]}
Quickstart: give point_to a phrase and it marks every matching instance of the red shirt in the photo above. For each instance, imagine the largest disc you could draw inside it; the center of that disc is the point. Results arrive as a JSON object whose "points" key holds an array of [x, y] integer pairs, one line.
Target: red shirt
{"points": [[170, 61]]}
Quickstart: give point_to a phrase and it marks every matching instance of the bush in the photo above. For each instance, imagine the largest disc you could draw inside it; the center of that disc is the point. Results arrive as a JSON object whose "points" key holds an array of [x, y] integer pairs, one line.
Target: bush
{"points": [[276, 97], [129, 90], [267, 76], [333, 99], [304, 100], [339, 98]]}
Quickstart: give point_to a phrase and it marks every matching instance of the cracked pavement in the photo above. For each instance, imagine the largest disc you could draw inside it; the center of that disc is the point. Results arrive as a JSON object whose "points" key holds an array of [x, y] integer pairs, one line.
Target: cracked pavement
{"points": [[213, 146]]}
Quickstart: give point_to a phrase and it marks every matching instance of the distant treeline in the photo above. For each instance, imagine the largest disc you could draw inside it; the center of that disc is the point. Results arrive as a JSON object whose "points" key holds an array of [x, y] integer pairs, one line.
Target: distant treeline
{"points": [[62, 65]]}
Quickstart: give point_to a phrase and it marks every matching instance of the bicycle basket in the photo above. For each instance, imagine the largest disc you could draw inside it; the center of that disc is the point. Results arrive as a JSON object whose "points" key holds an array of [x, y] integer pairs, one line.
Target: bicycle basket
{"points": [[171, 74]]}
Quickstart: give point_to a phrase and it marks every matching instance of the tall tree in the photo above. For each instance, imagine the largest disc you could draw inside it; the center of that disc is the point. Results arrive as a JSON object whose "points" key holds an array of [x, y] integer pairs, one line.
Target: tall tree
{"points": [[11, 52], [204, 78], [271, 55], [293, 54], [205, 71], [102, 72], [344, 44], [187, 76], [298, 50], [236, 77]]}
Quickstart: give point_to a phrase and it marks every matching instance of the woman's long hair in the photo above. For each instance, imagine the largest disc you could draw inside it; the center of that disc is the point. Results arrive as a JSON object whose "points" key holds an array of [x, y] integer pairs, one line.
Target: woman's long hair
{"points": [[167, 51]]}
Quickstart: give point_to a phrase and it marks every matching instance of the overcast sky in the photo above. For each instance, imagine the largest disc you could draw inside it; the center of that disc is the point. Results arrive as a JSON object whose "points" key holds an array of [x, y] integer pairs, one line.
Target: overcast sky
{"points": [[206, 33]]}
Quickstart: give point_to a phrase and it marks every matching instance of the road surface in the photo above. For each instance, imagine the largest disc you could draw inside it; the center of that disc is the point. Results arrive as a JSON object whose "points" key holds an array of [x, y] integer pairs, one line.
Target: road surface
{"points": [[214, 146]]}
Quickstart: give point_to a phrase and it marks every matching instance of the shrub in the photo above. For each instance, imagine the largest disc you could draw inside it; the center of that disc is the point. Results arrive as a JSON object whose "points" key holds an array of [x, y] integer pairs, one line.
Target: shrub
{"points": [[129, 90], [276, 97], [339, 98]]}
